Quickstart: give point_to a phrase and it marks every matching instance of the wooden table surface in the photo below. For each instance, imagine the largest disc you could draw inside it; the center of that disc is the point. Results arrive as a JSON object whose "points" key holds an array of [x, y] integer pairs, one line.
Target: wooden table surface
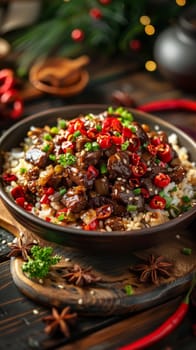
{"points": [[21, 325]]}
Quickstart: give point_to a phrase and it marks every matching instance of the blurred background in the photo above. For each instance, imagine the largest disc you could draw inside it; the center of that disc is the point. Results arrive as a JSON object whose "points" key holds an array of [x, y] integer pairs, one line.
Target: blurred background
{"points": [[94, 42]]}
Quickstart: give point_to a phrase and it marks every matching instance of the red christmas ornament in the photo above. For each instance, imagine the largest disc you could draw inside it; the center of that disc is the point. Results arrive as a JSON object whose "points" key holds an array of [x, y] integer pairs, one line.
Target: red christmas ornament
{"points": [[95, 13], [105, 2], [77, 34], [135, 45]]}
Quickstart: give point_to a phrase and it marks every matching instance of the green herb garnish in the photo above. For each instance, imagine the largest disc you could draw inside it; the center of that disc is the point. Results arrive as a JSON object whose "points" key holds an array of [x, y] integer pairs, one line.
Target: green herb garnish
{"points": [[67, 159], [186, 199], [38, 265], [129, 289]]}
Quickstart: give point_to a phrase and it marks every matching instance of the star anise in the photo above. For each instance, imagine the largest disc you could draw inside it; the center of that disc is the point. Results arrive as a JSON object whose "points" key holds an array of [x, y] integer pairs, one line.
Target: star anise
{"points": [[21, 247], [153, 269], [80, 276], [60, 321]]}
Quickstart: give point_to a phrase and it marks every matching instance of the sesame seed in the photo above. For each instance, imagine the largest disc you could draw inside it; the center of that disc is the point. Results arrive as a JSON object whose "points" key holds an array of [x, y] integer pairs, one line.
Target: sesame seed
{"points": [[60, 286], [80, 301], [67, 259], [35, 311]]}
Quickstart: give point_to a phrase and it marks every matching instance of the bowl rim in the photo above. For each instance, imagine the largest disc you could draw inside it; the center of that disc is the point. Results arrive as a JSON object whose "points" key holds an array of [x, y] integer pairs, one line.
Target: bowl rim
{"points": [[77, 231]]}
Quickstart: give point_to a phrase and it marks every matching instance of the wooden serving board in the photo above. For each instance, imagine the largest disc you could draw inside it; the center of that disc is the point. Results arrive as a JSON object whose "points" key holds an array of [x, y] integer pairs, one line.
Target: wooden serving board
{"points": [[107, 296]]}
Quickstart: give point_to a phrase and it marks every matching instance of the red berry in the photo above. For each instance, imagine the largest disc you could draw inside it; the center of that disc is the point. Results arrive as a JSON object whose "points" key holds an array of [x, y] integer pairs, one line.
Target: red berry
{"points": [[135, 45], [77, 35], [95, 13], [105, 2]]}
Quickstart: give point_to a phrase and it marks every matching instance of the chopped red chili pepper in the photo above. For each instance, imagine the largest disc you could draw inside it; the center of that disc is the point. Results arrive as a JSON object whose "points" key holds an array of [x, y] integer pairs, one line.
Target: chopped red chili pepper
{"points": [[156, 140], [44, 199], [104, 140], [164, 152], [134, 182], [92, 226], [48, 191], [161, 180], [20, 201], [139, 169], [67, 146], [104, 211], [9, 177], [111, 124], [165, 328], [92, 133], [117, 140], [17, 192], [126, 133], [134, 144], [152, 149], [145, 192], [13, 104], [6, 80], [134, 158], [92, 172], [28, 206], [157, 202], [75, 125]]}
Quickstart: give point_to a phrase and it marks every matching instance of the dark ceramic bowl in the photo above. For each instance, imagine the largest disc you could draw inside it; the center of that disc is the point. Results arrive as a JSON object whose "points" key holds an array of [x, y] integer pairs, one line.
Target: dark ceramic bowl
{"points": [[92, 240]]}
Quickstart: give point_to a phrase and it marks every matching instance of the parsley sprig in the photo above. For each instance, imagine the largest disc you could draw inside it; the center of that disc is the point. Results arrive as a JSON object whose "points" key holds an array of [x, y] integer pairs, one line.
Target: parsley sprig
{"points": [[40, 261]]}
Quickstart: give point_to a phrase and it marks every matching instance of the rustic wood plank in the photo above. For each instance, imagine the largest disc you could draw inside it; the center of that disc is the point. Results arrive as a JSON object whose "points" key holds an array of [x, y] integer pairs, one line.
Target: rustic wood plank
{"points": [[21, 325]]}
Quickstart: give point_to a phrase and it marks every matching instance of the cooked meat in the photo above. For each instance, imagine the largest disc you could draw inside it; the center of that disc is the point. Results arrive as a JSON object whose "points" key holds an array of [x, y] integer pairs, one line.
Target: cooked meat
{"points": [[75, 199], [177, 174], [102, 186], [118, 165], [36, 157]]}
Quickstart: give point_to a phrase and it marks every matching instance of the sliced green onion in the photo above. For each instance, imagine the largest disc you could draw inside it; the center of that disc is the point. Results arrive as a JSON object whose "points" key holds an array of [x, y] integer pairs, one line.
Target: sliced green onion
{"points": [[46, 148], [76, 134], [62, 124], [54, 130], [47, 137], [52, 157], [103, 168], [95, 146], [137, 191], [131, 207], [98, 127], [125, 145], [61, 217], [62, 191], [187, 251]]}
